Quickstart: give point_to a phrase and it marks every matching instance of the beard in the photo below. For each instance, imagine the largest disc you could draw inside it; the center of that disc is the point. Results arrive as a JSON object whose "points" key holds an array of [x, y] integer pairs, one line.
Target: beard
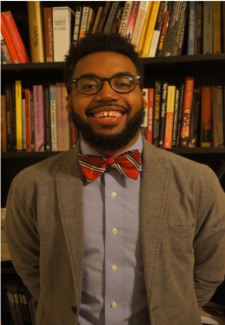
{"points": [[105, 142]]}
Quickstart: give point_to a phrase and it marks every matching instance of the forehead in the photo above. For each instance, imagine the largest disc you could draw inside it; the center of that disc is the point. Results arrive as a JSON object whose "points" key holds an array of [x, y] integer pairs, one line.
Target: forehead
{"points": [[104, 64]]}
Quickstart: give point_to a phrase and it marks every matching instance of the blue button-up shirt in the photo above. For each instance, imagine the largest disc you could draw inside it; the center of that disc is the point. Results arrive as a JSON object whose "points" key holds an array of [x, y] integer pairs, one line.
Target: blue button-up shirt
{"points": [[113, 291]]}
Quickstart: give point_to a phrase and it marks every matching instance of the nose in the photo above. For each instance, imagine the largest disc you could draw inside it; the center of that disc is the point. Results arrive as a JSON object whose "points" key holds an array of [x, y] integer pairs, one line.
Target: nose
{"points": [[106, 93]]}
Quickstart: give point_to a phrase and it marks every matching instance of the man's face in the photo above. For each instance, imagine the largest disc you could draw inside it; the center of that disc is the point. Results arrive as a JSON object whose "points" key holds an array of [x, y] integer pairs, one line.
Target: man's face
{"points": [[107, 114]]}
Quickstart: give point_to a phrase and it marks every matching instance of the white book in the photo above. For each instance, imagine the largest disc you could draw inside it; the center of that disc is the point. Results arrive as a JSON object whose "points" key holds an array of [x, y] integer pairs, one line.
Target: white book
{"points": [[139, 23], [145, 122], [217, 116], [61, 20]]}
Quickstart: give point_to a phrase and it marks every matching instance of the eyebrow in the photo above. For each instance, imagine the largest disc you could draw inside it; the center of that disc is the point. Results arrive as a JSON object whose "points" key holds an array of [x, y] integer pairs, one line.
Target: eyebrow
{"points": [[93, 75]]}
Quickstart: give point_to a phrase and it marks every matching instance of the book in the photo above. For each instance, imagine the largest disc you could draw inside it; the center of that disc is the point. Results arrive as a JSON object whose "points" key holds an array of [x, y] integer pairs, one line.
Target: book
{"points": [[54, 141], [150, 114], [3, 125], [140, 20], [87, 21], [62, 118], [144, 125], [175, 118], [132, 19], [208, 27], [14, 115], [216, 26], [9, 42], [35, 31], [158, 28], [144, 29], [182, 34], [157, 105], [163, 115], [150, 29], [206, 118], [169, 116], [217, 117], [186, 115], [73, 133], [9, 112], [47, 119], [27, 108], [159, 51], [5, 52], [110, 19], [117, 20], [172, 28], [103, 16], [76, 31], [199, 28], [32, 133], [24, 125], [177, 46], [39, 127], [91, 19], [97, 19], [15, 36], [48, 34], [19, 130], [125, 18], [191, 28], [62, 21], [195, 118]]}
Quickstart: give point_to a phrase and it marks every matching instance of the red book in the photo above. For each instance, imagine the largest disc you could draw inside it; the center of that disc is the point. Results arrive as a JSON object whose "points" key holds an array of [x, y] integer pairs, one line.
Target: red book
{"points": [[49, 57], [186, 117], [132, 19], [150, 114], [27, 108], [15, 36], [9, 42], [206, 117]]}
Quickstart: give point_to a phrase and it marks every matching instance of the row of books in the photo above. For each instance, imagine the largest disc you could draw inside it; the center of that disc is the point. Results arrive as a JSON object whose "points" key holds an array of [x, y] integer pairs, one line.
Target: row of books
{"points": [[184, 116], [17, 304], [36, 120]]}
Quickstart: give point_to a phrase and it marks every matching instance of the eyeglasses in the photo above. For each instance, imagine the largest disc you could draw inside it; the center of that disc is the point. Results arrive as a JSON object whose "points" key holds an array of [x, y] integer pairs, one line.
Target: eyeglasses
{"points": [[92, 85]]}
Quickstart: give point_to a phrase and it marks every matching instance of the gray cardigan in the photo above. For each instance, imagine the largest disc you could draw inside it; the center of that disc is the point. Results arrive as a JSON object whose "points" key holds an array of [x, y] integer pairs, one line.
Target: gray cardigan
{"points": [[182, 229]]}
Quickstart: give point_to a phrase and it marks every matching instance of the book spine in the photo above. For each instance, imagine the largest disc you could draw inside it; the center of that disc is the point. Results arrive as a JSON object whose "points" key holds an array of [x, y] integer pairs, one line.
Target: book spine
{"points": [[111, 17], [163, 34], [38, 117], [53, 118], [91, 18], [199, 29], [49, 55], [32, 132], [157, 104], [208, 27], [158, 28], [217, 27], [163, 115], [206, 117], [47, 119], [29, 322], [24, 125], [84, 20], [186, 115], [97, 19], [150, 114], [15, 37], [27, 106], [117, 20], [9, 42], [180, 114], [103, 16], [5, 52], [169, 116], [72, 131], [181, 40], [191, 28], [62, 118], [125, 18], [3, 125], [76, 31], [175, 118], [144, 125], [139, 24], [14, 115], [19, 131], [195, 113], [180, 27], [8, 108], [35, 31], [132, 19], [217, 116]]}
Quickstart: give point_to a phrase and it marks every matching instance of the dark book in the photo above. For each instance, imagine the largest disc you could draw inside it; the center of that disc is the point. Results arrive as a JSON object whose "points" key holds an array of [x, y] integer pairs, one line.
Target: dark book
{"points": [[103, 16], [195, 118], [116, 22], [191, 27], [182, 34], [180, 112], [9, 112], [160, 47], [112, 14], [156, 120], [32, 134], [47, 119], [180, 27], [73, 132], [175, 118], [13, 116], [76, 31], [163, 115], [199, 28]]}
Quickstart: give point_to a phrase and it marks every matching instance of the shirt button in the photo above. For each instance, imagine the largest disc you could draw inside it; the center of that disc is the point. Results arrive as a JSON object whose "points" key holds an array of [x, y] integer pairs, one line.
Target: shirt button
{"points": [[113, 304], [114, 230], [114, 267], [113, 195]]}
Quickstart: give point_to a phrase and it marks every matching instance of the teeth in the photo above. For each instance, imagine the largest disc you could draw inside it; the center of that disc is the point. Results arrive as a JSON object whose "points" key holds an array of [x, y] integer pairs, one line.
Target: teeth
{"points": [[107, 114]]}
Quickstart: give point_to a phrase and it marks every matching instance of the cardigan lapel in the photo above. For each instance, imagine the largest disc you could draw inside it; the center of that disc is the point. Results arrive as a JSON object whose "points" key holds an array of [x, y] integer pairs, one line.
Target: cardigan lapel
{"points": [[154, 192], [70, 202]]}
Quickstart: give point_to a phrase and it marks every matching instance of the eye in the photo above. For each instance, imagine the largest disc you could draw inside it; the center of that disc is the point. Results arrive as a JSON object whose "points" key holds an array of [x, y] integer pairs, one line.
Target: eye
{"points": [[88, 84], [124, 82]]}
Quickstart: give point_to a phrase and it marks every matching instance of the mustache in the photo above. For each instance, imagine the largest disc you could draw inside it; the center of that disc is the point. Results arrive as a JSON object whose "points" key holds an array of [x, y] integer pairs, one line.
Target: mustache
{"points": [[88, 110]]}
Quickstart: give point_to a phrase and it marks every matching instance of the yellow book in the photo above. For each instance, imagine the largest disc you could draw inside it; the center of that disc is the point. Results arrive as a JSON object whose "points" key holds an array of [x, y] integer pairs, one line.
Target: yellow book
{"points": [[143, 33], [169, 116], [19, 129], [35, 31], [91, 19], [150, 29], [216, 26]]}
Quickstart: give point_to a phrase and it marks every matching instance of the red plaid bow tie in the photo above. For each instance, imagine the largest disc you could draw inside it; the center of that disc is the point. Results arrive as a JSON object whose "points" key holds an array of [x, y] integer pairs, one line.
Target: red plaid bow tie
{"points": [[127, 164]]}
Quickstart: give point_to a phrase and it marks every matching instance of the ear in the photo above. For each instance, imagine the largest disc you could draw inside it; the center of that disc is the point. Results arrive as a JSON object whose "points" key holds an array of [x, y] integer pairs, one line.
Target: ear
{"points": [[143, 95], [68, 103]]}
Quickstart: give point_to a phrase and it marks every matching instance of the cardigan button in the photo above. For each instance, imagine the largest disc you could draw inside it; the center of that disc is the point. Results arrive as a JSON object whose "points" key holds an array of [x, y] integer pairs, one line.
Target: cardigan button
{"points": [[74, 309]]}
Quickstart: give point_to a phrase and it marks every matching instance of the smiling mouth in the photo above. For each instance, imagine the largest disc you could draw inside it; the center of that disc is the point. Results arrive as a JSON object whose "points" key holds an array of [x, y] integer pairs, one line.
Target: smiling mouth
{"points": [[107, 114]]}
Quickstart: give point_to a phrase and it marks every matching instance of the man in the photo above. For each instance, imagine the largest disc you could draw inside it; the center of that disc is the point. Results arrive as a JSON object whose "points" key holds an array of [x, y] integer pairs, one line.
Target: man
{"points": [[109, 244]]}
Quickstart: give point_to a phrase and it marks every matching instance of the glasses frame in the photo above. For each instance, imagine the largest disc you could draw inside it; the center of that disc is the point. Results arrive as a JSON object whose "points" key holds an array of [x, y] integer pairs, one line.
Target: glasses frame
{"points": [[136, 78]]}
